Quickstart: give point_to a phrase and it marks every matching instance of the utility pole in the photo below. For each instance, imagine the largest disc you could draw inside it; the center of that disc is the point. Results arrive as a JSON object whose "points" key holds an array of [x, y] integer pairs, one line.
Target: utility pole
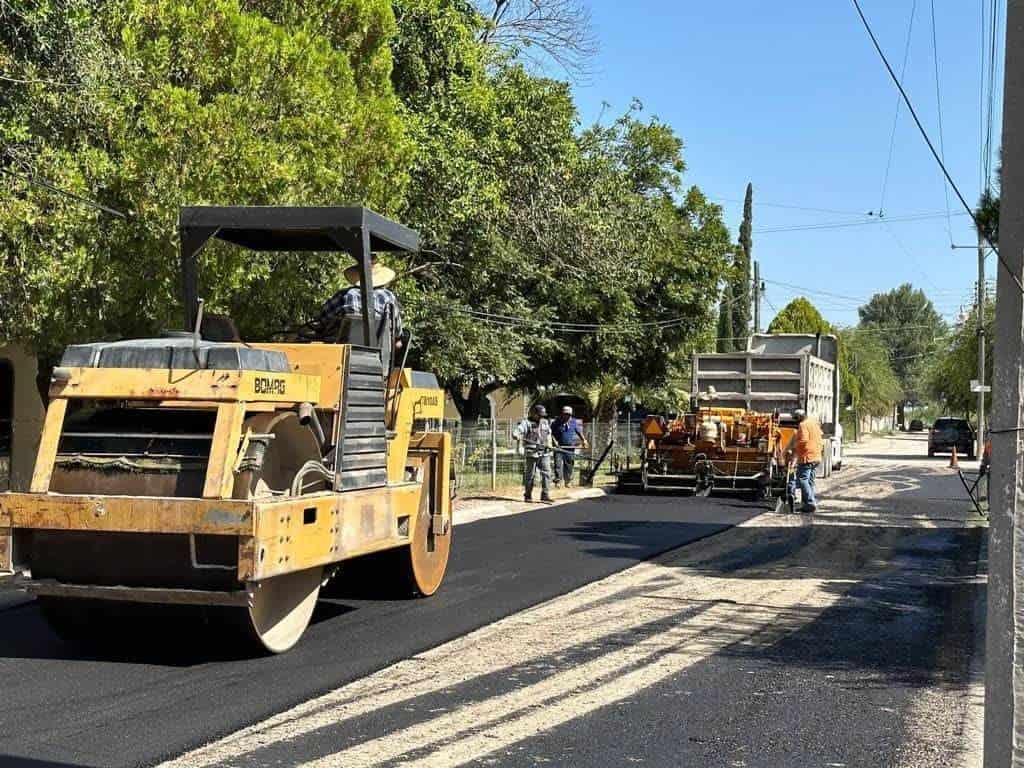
{"points": [[757, 297], [981, 344], [1004, 678]]}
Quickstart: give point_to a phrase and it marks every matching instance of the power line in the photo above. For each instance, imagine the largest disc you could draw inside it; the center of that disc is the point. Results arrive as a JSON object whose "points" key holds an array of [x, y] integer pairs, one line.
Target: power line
{"points": [[845, 224], [815, 291], [931, 146], [981, 104], [896, 116], [938, 102], [558, 326], [992, 77], [909, 255], [793, 207]]}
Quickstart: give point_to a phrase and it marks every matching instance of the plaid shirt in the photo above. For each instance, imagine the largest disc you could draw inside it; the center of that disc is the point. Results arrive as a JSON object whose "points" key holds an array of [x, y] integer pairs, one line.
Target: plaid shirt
{"points": [[349, 301]]}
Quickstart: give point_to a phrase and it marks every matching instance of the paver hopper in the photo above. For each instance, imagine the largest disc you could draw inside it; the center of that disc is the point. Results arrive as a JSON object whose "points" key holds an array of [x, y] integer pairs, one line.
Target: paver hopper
{"points": [[708, 449]]}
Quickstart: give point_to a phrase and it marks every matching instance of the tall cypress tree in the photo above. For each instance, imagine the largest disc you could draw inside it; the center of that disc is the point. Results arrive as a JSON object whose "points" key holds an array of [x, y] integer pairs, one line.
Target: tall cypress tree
{"points": [[742, 284], [725, 342]]}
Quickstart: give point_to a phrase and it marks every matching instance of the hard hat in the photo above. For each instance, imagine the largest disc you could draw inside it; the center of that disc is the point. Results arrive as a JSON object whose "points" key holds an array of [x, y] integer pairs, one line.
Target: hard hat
{"points": [[539, 410], [799, 413], [566, 409], [380, 274]]}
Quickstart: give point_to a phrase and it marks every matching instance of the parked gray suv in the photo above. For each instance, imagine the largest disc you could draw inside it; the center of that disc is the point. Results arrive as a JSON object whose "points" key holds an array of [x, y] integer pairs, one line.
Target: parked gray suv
{"points": [[948, 432]]}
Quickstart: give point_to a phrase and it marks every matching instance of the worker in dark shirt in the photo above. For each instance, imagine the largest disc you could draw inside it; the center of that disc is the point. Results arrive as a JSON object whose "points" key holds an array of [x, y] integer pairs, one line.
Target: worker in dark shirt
{"points": [[568, 434]]}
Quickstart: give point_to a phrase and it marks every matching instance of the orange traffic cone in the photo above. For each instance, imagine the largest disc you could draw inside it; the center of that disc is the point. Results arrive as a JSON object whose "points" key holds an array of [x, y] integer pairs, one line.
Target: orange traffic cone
{"points": [[953, 461]]}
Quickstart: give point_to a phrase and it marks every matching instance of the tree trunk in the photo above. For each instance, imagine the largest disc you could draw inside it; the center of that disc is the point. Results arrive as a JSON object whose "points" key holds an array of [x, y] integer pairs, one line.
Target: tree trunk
{"points": [[471, 404]]}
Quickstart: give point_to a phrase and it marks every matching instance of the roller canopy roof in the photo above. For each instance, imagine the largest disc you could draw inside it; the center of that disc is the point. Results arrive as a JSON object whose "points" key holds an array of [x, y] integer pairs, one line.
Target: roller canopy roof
{"points": [[297, 228], [354, 230]]}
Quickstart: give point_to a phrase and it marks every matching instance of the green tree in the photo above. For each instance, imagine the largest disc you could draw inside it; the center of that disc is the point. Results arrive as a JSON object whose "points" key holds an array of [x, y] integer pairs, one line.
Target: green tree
{"points": [[948, 375], [529, 223], [987, 216], [525, 216], [867, 374], [907, 323], [151, 104], [799, 316], [742, 281]]}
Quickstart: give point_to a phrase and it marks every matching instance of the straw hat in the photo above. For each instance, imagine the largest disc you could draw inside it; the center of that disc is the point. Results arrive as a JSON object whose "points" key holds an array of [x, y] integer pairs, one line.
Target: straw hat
{"points": [[380, 274]]}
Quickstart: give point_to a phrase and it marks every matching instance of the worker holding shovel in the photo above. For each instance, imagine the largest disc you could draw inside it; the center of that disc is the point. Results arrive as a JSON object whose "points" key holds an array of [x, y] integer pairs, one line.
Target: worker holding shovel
{"points": [[534, 434], [805, 449]]}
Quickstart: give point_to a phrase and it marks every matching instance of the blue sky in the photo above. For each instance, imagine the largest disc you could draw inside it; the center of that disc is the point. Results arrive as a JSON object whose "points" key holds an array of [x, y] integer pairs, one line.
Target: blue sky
{"points": [[791, 96]]}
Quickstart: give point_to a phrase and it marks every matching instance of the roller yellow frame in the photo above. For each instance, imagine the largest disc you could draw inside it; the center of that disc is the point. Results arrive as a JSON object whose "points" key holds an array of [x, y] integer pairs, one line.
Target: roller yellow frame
{"points": [[277, 536], [274, 536]]}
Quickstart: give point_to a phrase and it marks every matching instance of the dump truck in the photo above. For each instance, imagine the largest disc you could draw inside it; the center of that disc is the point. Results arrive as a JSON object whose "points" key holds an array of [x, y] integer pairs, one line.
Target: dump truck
{"points": [[733, 433], [778, 373], [236, 478]]}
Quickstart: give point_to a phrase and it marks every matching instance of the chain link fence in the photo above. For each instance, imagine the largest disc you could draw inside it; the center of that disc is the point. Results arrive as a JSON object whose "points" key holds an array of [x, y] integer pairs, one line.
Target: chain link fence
{"points": [[486, 458]]}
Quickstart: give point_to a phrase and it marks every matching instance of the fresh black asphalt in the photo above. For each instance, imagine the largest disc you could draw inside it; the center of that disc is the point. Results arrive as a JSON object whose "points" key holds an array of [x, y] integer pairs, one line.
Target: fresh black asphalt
{"points": [[62, 707], [839, 691]]}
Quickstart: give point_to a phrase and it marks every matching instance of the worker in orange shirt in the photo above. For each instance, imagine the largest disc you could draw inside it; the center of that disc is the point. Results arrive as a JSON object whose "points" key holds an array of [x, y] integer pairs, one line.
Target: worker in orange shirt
{"points": [[805, 450]]}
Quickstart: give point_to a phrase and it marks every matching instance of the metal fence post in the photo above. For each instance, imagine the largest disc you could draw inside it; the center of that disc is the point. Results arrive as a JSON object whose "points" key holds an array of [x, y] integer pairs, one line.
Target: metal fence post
{"points": [[494, 454]]}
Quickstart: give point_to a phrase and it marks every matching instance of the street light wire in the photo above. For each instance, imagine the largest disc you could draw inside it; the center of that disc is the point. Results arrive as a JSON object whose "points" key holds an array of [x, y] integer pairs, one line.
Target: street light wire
{"points": [[938, 103], [814, 291], [931, 146], [793, 207]]}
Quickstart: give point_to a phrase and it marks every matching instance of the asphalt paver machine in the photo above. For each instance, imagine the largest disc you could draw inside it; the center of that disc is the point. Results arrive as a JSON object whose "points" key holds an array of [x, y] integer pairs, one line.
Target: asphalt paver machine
{"points": [[235, 478], [714, 449]]}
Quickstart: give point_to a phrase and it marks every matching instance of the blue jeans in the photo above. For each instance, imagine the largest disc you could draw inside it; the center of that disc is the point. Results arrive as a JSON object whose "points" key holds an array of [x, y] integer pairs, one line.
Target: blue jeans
{"points": [[564, 464], [804, 477], [532, 464]]}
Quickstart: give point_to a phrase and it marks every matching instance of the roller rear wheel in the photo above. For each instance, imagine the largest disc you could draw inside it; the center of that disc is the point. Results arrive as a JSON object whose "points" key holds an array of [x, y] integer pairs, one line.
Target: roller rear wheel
{"points": [[426, 557], [415, 569]]}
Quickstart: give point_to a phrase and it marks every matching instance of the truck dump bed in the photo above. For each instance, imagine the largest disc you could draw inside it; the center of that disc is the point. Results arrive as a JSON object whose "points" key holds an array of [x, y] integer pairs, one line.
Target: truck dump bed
{"points": [[779, 372]]}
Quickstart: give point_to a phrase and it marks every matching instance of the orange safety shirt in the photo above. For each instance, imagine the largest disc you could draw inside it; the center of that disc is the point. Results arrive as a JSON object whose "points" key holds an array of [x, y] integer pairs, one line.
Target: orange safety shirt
{"points": [[808, 441]]}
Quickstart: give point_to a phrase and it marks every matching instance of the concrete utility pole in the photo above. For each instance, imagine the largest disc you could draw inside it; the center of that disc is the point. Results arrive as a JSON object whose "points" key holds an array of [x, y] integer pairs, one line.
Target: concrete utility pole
{"points": [[757, 297], [981, 344], [1004, 678]]}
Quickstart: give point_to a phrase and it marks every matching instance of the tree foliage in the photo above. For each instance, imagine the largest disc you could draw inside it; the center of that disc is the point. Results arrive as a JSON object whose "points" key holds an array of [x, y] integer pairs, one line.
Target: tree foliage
{"points": [[949, 372], [799, 316], [909, 326], [530, 222], [987, 216], [742, 280], [542, 31], [151, 104], [868, 376]]}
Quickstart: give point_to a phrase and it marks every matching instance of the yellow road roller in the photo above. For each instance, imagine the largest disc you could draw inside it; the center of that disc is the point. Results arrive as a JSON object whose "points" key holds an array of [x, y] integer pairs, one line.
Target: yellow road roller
{"points": [[196, 471]]}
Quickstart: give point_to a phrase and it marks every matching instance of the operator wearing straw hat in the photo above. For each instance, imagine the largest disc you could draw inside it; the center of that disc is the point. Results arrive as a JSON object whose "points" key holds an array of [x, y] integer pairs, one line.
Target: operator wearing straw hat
{"points": [[348, 302]]}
